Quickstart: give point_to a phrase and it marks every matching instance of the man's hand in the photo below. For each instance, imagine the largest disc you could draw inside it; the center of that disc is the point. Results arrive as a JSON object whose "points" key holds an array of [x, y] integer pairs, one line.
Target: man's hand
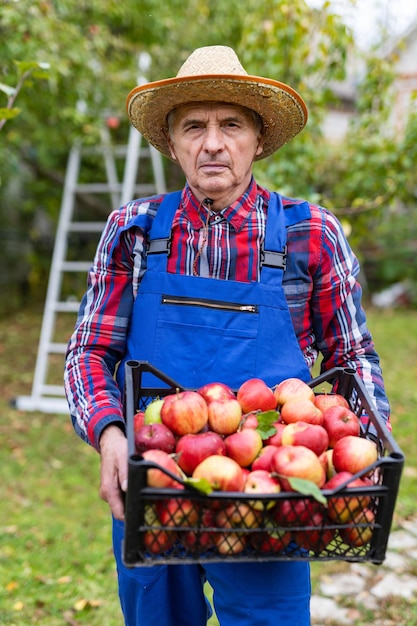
{"points": [[113, 481]]}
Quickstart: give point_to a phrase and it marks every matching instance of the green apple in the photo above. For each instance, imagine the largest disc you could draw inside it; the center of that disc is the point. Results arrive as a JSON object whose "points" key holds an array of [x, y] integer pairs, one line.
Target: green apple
{"points": [[153, 412]]}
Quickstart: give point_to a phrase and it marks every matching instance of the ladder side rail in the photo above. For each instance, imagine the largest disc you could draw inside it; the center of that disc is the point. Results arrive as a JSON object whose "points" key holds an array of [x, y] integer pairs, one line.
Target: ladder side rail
{"points": [[111, 169], [158, 170], [131, 166], [55, 275]]}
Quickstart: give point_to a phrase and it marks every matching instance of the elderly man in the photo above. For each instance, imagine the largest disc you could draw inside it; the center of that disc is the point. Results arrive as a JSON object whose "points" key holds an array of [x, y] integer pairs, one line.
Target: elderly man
{"points": [[251, 284]]}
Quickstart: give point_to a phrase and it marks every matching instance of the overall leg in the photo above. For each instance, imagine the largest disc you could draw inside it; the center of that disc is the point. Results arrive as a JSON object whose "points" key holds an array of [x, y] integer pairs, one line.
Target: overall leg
{"points": [[261, 594], [159, 595]]}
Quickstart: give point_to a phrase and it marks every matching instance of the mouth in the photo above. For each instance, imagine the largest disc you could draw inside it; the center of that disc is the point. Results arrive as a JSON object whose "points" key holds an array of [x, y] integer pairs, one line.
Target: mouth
{"points": [[215, 167]]}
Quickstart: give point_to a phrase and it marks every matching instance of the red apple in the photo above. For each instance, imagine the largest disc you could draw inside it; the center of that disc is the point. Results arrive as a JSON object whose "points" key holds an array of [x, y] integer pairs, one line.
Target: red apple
{"points": [[301, 409], [292, 388], [301, 433], [177, 512], [184, 412], [326, 400], [360, 531], [216, 391], [294, 511], [156, 477], [341, 509], [224, 416], [154, 436], [200, 538], [222, 473], [250, 420], [239, 515], [354, 454], [272, 540], [316, 536], [275, 440], [156, 540], [297, 462], [255, 395], [263, 460], [339, 422], [138, 420], [244, 446], [261, 483], [153, 412], [191, 449], [231, 541], [326, 459]]}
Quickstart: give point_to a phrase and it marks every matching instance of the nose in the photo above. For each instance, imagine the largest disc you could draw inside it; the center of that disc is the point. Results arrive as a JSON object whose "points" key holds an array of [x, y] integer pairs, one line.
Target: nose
{"points": [[213, 139]]}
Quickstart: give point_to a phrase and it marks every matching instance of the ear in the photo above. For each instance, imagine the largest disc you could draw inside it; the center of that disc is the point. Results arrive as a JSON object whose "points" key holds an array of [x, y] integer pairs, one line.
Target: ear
{"points": [[260, 147], [171, 147]]}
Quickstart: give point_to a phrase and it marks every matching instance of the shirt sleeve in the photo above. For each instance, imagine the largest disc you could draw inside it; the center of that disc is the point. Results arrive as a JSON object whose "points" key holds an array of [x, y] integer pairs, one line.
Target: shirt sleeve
{"points": [[99, 339], [339, 320]]}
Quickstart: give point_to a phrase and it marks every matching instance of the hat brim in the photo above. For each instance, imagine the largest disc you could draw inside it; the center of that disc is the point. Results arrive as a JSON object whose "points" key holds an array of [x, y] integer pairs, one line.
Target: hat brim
{"points": [[281, 108]]}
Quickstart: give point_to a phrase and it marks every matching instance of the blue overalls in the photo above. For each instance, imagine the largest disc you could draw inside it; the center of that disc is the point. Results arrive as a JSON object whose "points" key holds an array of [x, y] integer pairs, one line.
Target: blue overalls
{"points": [[198, 330]]}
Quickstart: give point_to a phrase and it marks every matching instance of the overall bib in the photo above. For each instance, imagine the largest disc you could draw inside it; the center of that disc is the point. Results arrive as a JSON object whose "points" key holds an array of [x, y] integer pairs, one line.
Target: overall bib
{"points": [[199, 330]]}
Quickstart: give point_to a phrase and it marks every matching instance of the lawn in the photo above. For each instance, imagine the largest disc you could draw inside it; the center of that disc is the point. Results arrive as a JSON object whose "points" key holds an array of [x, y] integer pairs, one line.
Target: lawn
{"points": [[56, 565]]}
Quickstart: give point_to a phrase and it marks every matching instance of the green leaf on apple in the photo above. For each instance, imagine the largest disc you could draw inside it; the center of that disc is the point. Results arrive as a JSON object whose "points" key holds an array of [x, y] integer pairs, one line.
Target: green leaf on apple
{"points": [[265, 427], [307, 488], [200, 484]]}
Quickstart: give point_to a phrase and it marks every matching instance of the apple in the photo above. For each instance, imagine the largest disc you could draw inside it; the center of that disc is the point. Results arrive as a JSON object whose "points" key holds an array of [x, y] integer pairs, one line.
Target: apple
{"points": [[297, 462], [301, 433], [261, 483], [301, 409], [360, 531], [354, 454], [326, 459], [138, 420], [228, 542], [326, 400], [216, 391], [222, 473], [339, 422], [154, 436], [316, 536], [244, 446], [224, 416], [200, 538], [239, 515], [275, 440], [156, 477], [294, 511], [272, 540], [184, 412], [263, 460], [191, 449], [250, 420], [292, 388], [156, 540], [153, 412], [341, 508], [177, 512], [255, 395]]}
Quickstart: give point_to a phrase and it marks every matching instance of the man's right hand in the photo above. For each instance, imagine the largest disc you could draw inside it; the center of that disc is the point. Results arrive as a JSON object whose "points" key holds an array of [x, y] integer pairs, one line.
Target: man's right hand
{"points": [[113, 474]]}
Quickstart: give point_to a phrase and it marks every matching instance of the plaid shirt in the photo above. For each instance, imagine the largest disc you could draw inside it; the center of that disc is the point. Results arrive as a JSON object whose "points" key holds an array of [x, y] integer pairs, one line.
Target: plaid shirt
{"points": [[320, 285]]}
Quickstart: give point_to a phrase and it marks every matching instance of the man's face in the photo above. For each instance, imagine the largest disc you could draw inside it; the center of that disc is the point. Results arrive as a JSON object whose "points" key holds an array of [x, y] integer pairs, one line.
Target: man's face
{"points": [[215, 144]]}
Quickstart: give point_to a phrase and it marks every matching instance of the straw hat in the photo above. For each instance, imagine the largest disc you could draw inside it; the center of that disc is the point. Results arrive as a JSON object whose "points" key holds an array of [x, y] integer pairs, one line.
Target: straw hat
{"points": [[214, 73]]}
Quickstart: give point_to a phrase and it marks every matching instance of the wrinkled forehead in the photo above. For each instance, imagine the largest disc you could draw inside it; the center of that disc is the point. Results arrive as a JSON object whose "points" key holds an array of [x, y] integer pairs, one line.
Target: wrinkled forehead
{"points": [[204, 109]]}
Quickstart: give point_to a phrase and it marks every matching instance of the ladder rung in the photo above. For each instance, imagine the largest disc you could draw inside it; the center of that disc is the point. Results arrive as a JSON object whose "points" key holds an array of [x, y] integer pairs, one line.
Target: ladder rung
{"points": [[98, 188], [86, 227], [57, 348], [57, 390], [66, 307], [75, 266]]}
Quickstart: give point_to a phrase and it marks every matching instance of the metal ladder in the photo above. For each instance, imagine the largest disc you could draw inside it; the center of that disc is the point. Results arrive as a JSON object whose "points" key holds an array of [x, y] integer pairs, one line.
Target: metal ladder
{"points": [[50, 398]]}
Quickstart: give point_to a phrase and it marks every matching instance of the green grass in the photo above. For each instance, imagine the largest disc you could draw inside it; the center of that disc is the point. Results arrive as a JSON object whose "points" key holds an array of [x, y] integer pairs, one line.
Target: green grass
{"points": [[56, 564]]}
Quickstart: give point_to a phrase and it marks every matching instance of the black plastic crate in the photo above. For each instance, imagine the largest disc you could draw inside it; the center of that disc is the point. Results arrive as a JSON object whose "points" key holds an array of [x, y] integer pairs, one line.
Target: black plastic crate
{"points": [[222, 526]]}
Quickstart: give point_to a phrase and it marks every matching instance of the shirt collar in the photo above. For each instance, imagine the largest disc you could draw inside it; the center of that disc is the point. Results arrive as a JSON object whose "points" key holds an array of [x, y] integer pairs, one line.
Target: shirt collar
{"points": [[236, 214]]}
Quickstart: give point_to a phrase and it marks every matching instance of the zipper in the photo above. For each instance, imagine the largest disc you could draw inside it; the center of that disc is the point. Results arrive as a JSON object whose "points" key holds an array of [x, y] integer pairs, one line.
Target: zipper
{"points": [[210, 304]]}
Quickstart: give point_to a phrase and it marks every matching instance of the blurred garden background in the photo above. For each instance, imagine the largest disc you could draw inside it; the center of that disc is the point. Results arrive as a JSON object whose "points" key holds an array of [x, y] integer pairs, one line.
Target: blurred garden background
{"points": [[66, 67]]}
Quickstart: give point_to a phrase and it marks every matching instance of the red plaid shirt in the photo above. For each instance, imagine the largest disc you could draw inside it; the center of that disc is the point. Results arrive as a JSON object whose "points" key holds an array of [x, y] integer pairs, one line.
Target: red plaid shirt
{"points": [[320, 284]]}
